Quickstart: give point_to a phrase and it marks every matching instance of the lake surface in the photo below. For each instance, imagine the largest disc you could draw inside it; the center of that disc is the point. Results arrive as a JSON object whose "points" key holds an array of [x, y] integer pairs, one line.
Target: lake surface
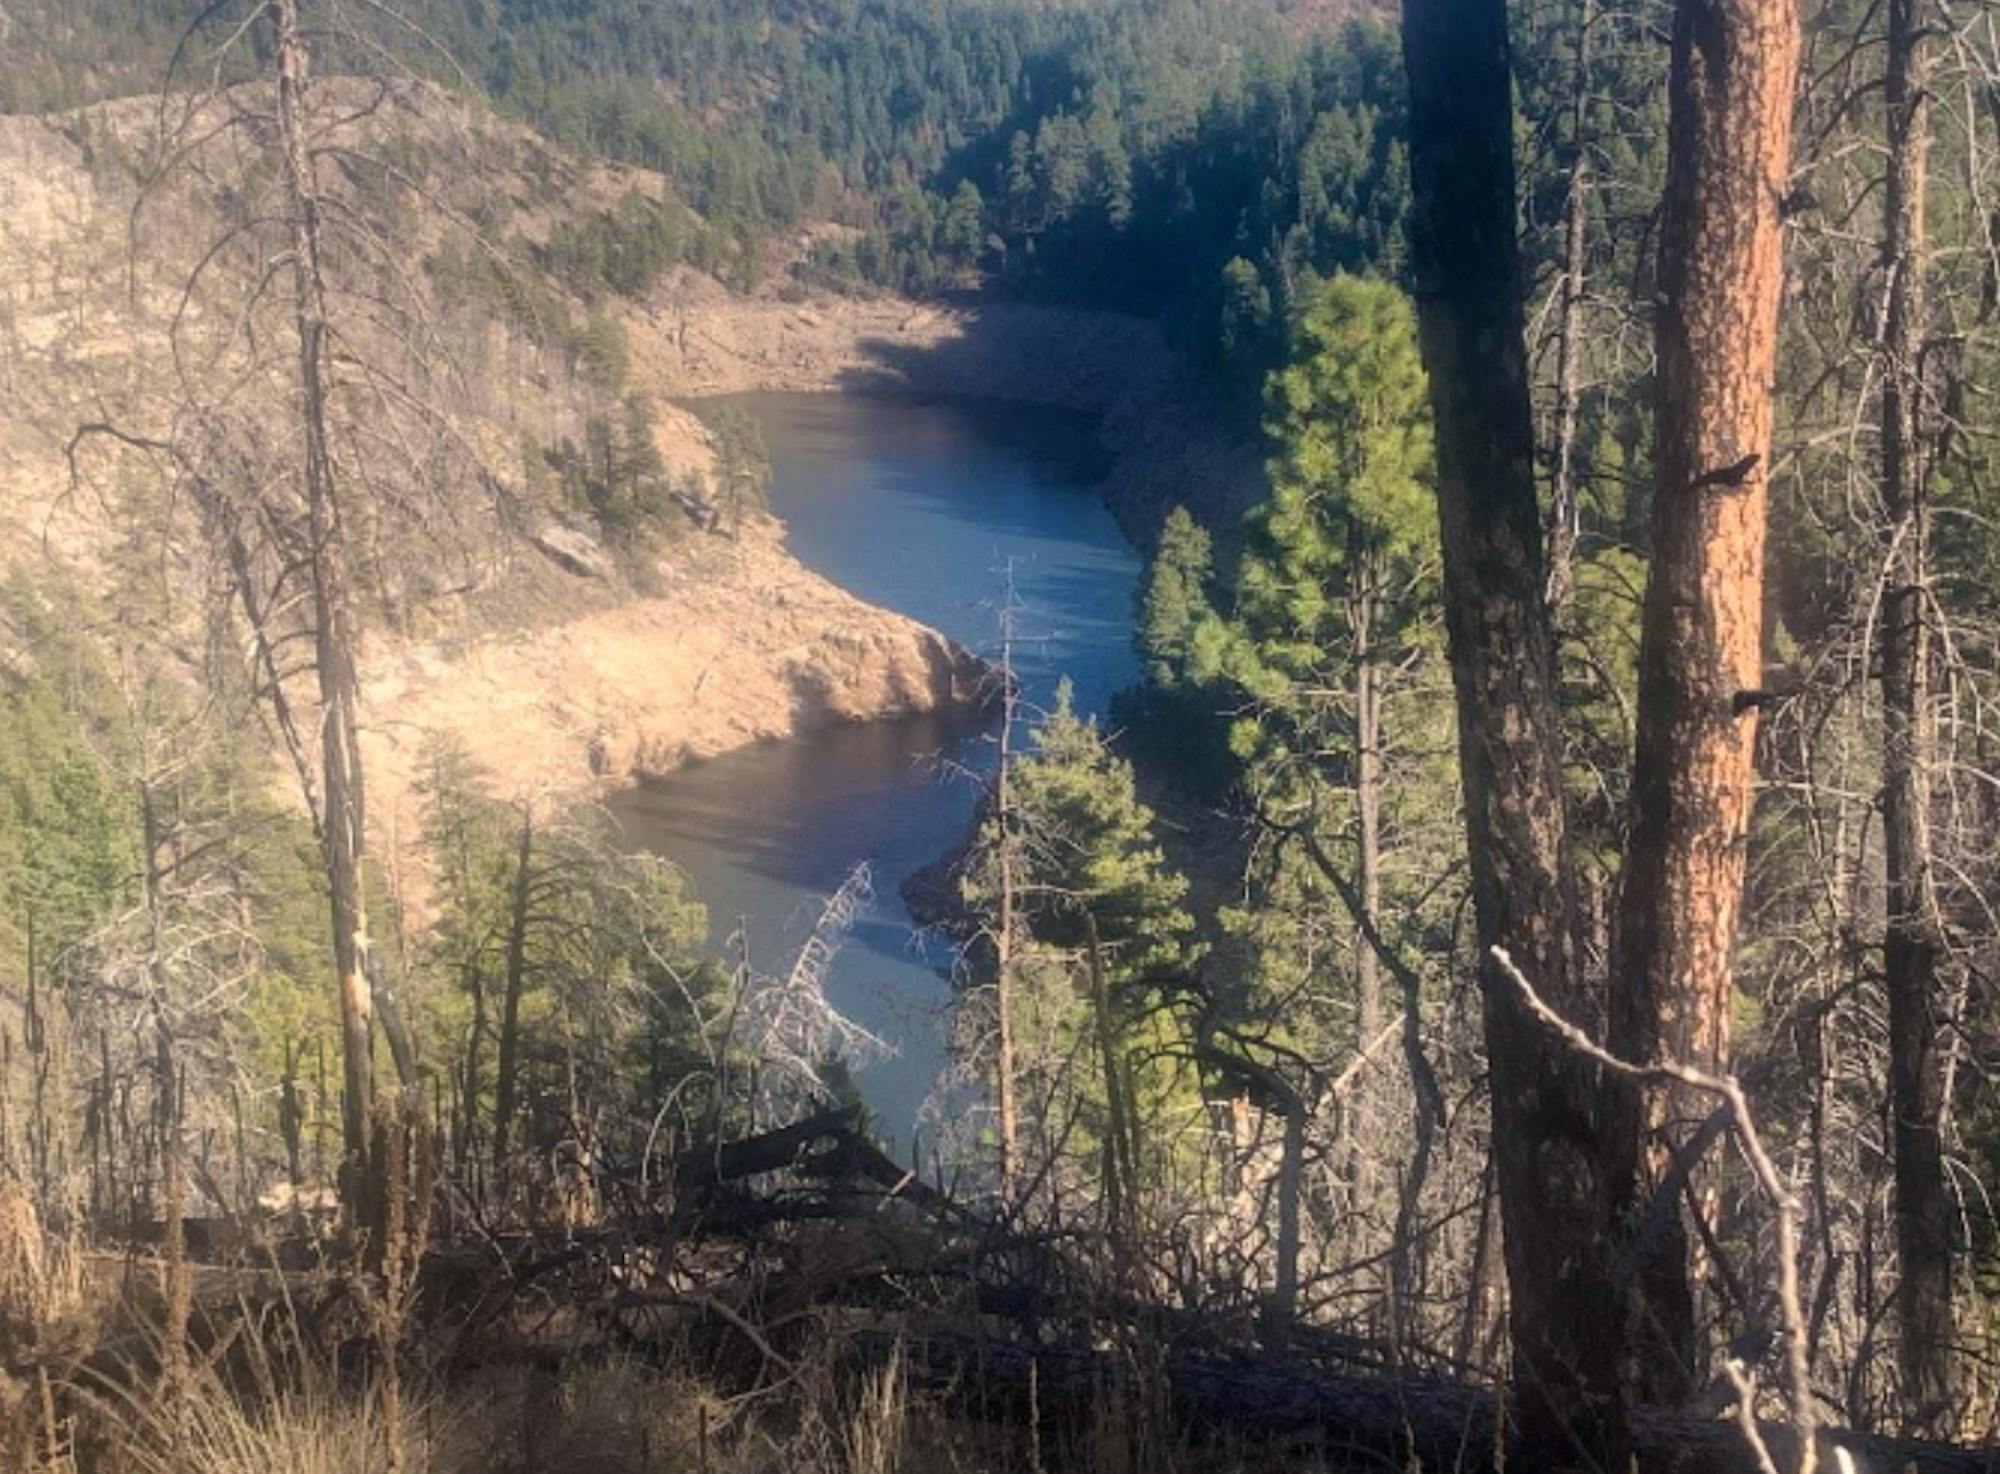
{"points": [[922, 506]]}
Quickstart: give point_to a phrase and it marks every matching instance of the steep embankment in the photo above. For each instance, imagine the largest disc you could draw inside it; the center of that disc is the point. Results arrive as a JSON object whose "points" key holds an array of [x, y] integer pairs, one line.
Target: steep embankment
{"points": [[736, 643], [507, 622], [503, 620]]}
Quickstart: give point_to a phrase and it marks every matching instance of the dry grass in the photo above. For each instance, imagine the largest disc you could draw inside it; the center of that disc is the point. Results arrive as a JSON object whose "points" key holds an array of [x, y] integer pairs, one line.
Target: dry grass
{"points": [[616, 1417], [313, 1429], [604, 1417], [626, 1417], [613, 1417], [259, 1400], [876, 1427], [41, 1278]]}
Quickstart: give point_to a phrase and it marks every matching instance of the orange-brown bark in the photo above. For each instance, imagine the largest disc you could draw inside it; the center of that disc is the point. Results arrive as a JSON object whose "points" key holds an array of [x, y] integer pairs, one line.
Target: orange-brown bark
{"points": [[1732, 79]]}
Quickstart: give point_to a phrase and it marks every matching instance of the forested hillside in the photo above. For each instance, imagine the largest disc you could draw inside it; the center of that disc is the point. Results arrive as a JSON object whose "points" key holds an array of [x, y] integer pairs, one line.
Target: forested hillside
{"points": [[1511, 986], [554, 562], [1196, 158]]}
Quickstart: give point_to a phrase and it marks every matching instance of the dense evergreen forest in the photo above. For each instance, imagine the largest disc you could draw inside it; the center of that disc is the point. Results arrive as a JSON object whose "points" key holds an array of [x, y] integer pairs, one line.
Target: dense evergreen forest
{"points": [[1196, 158], [1519, 966]]}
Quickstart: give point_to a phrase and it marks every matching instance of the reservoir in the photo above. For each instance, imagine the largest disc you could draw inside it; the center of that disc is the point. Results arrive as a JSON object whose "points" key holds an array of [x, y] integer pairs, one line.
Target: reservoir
{"points": [[924, 506]]}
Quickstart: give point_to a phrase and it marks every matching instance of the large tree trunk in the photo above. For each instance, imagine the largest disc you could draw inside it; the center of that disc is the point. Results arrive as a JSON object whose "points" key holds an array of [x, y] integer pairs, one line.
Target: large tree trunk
{"points": [[1121, 1142], [1545, 1139], [1734, 66], [475, 1038], [1913, 942], [343, 826], [1357, 1123], [1273, 1407]]}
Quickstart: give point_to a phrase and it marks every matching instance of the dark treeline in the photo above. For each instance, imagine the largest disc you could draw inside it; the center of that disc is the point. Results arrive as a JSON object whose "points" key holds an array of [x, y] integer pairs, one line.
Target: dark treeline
{"points": [[1192, 158]]}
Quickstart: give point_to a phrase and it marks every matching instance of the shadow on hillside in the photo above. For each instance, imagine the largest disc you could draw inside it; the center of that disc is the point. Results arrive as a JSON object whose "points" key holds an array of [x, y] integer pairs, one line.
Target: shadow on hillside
{"points": [[1023, 352], [1164, 441]]}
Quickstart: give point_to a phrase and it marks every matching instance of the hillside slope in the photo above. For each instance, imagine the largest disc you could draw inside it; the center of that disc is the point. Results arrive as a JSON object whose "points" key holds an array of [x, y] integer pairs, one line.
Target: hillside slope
{"points": [[501, 614]]}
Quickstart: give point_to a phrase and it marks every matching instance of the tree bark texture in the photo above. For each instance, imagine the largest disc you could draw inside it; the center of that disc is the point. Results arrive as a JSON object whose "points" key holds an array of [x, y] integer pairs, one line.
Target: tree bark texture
{"points": [[1357, 1122], [1547, 1152], [1731, 83], [1913, 941]]}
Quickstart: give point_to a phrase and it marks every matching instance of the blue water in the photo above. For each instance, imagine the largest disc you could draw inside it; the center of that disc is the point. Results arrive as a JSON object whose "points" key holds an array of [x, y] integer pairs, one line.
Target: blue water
{"points": [[922, 506]]}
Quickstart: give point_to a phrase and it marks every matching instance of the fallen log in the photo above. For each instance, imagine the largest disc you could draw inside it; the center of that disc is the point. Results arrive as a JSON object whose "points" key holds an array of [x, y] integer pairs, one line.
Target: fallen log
{"points": [[1439, 1423], [770, 1151], [1335, 1406]]}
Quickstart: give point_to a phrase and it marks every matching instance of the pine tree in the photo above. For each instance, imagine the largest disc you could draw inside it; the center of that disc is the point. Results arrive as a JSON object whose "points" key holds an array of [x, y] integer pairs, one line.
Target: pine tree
{"points": [[1096, 898], [1335, 612], [742, 466], [1337, 584], [1546, 1158], [963, 235], [1175, 599], [1089, 847]]}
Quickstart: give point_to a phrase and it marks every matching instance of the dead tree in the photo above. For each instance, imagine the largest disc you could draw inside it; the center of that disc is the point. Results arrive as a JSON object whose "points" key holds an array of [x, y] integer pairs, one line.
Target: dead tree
{"points": [[1564, 508], [522, 895], [1005, 938], [787, 1024], [343, 815], [364, 397], [1913, 940]]}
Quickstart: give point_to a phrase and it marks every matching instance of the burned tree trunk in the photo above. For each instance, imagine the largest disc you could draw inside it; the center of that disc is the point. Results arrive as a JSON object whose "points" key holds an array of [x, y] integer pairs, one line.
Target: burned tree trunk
{"points": [[1733, 70], [1546, 1148], [1003, 941], [507, 1068], [1913, 942], [344, 816], [1564, 502]]}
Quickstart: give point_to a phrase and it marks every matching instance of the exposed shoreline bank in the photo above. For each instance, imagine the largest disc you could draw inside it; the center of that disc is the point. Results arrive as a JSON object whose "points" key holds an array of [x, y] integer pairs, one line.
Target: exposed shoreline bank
{"points": [[747, 644], [739, 643], [694, 339]]}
